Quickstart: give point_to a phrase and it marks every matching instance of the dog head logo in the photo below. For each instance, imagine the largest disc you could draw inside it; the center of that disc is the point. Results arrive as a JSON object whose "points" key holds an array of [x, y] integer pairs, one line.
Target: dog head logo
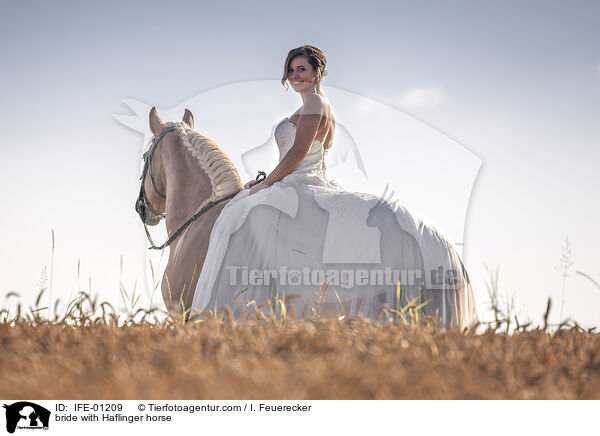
{"points": [[24, 414]]}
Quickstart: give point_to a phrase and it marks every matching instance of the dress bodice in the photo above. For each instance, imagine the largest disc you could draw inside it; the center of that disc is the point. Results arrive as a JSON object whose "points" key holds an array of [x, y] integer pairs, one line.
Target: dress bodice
{"points": [[313, 163]]}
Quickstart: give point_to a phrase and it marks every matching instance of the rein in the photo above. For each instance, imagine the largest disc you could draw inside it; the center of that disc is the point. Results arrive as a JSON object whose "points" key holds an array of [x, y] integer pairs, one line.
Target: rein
{"points": [[144, 202]]}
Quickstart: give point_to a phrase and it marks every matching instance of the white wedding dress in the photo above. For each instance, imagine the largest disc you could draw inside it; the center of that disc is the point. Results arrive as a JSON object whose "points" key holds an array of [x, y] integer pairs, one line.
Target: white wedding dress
{"points": [[326, 251]]}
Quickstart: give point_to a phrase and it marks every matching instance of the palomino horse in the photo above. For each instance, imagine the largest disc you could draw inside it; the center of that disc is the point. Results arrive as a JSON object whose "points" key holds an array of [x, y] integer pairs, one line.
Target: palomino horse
{"points": [[187, 180]]}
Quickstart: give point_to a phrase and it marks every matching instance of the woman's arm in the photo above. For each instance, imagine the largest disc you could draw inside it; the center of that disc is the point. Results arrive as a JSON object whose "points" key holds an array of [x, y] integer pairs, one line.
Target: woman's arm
{"points": [[306, 132]]}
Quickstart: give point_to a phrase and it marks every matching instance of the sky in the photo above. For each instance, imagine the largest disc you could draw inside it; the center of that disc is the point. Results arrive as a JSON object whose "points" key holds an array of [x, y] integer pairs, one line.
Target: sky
{"points": [[517, 84]]}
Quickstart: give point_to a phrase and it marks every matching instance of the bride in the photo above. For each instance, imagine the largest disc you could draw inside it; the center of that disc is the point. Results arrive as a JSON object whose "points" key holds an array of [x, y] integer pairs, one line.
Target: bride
{"points": [[291, 240]]}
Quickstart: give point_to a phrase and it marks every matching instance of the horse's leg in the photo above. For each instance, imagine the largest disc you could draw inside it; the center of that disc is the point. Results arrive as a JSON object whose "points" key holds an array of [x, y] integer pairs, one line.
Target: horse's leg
{"points": [[170, 296], [178, 286], [183, 270]]}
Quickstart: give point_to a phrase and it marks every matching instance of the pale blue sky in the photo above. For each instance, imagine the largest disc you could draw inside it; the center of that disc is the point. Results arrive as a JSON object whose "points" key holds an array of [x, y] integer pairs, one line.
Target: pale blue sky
{"points": [[517, 83]]}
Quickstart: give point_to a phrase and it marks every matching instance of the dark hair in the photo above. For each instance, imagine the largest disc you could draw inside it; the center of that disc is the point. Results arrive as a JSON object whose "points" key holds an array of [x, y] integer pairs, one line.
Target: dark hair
{"points": [[315, 57]]}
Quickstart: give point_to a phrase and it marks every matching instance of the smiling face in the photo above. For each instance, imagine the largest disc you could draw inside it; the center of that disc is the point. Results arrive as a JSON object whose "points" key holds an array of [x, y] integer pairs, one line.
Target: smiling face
{"points": [[301, 75]]}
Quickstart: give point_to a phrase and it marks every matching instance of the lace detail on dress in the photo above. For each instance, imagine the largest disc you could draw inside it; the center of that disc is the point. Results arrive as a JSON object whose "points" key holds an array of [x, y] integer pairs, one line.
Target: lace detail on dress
{"points": [[314, 162]]}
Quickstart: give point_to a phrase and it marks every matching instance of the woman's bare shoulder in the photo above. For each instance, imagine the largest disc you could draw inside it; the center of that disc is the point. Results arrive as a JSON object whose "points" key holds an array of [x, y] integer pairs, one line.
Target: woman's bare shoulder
{"points": [[320, 101], [314, 104]]}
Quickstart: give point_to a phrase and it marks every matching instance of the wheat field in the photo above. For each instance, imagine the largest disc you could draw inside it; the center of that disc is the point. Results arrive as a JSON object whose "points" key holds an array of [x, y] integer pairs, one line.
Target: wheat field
{"points": [[275, 357]]}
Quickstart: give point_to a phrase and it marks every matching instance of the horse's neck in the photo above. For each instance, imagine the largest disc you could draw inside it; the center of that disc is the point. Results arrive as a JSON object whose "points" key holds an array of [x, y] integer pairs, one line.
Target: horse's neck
{"points": [[188, 187]]}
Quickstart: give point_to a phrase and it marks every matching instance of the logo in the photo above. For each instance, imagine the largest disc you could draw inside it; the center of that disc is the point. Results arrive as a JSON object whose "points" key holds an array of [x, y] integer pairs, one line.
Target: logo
{"points": [[432, 173], [26, 415]]}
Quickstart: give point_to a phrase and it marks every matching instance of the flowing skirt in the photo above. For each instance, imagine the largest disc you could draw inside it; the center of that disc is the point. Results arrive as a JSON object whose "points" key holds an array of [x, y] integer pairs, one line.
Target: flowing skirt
{"points": [[307, 244]]}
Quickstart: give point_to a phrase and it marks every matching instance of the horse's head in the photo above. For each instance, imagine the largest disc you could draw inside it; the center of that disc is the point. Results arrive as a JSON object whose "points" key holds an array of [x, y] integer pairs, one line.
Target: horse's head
{"points": [[151, 202]]}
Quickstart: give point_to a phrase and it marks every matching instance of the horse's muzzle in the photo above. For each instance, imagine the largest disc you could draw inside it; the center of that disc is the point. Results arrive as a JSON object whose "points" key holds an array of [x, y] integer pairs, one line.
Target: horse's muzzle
{"points": [[146, 216]]}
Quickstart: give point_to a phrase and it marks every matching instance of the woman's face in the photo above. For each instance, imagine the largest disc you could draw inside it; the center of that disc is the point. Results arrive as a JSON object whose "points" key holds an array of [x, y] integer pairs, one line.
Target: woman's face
{"points": [[301, 74]]}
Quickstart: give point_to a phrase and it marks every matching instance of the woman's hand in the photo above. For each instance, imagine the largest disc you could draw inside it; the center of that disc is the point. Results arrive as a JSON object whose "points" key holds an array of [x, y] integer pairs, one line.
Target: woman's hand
{"points": [[249, 184], [258, 187]]}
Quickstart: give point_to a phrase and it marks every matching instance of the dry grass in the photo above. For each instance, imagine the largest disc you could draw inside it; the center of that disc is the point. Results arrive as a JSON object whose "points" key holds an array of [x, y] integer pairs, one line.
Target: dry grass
{"points": [[284, 359], [90, 351]]}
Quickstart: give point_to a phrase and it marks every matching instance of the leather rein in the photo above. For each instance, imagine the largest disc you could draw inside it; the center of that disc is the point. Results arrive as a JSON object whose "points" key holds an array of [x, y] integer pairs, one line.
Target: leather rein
{"points": [[143, 202]]}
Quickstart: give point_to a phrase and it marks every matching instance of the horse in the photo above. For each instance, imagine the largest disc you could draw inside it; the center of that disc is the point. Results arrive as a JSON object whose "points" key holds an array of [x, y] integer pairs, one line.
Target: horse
{"points": [[187, 180]]}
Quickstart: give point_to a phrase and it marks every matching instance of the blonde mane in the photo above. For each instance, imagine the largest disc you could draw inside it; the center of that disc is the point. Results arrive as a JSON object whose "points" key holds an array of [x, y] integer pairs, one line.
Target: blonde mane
{"points": [[224, 178]]}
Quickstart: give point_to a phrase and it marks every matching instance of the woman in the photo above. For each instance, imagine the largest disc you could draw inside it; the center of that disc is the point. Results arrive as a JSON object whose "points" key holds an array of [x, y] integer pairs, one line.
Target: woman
{"points": [[299, 237]]}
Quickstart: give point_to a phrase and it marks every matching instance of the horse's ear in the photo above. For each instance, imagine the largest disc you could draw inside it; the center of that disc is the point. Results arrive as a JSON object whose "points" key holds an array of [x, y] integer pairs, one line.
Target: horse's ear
{"points": [[156, 124], [188, 118]]}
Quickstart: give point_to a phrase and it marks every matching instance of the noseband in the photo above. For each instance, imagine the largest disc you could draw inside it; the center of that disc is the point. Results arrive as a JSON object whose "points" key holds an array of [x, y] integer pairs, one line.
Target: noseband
{"points": [[143, 202]]}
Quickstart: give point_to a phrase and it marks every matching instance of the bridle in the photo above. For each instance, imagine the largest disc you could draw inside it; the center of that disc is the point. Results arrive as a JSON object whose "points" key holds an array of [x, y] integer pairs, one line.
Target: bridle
{"points": [[142, 202]]}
